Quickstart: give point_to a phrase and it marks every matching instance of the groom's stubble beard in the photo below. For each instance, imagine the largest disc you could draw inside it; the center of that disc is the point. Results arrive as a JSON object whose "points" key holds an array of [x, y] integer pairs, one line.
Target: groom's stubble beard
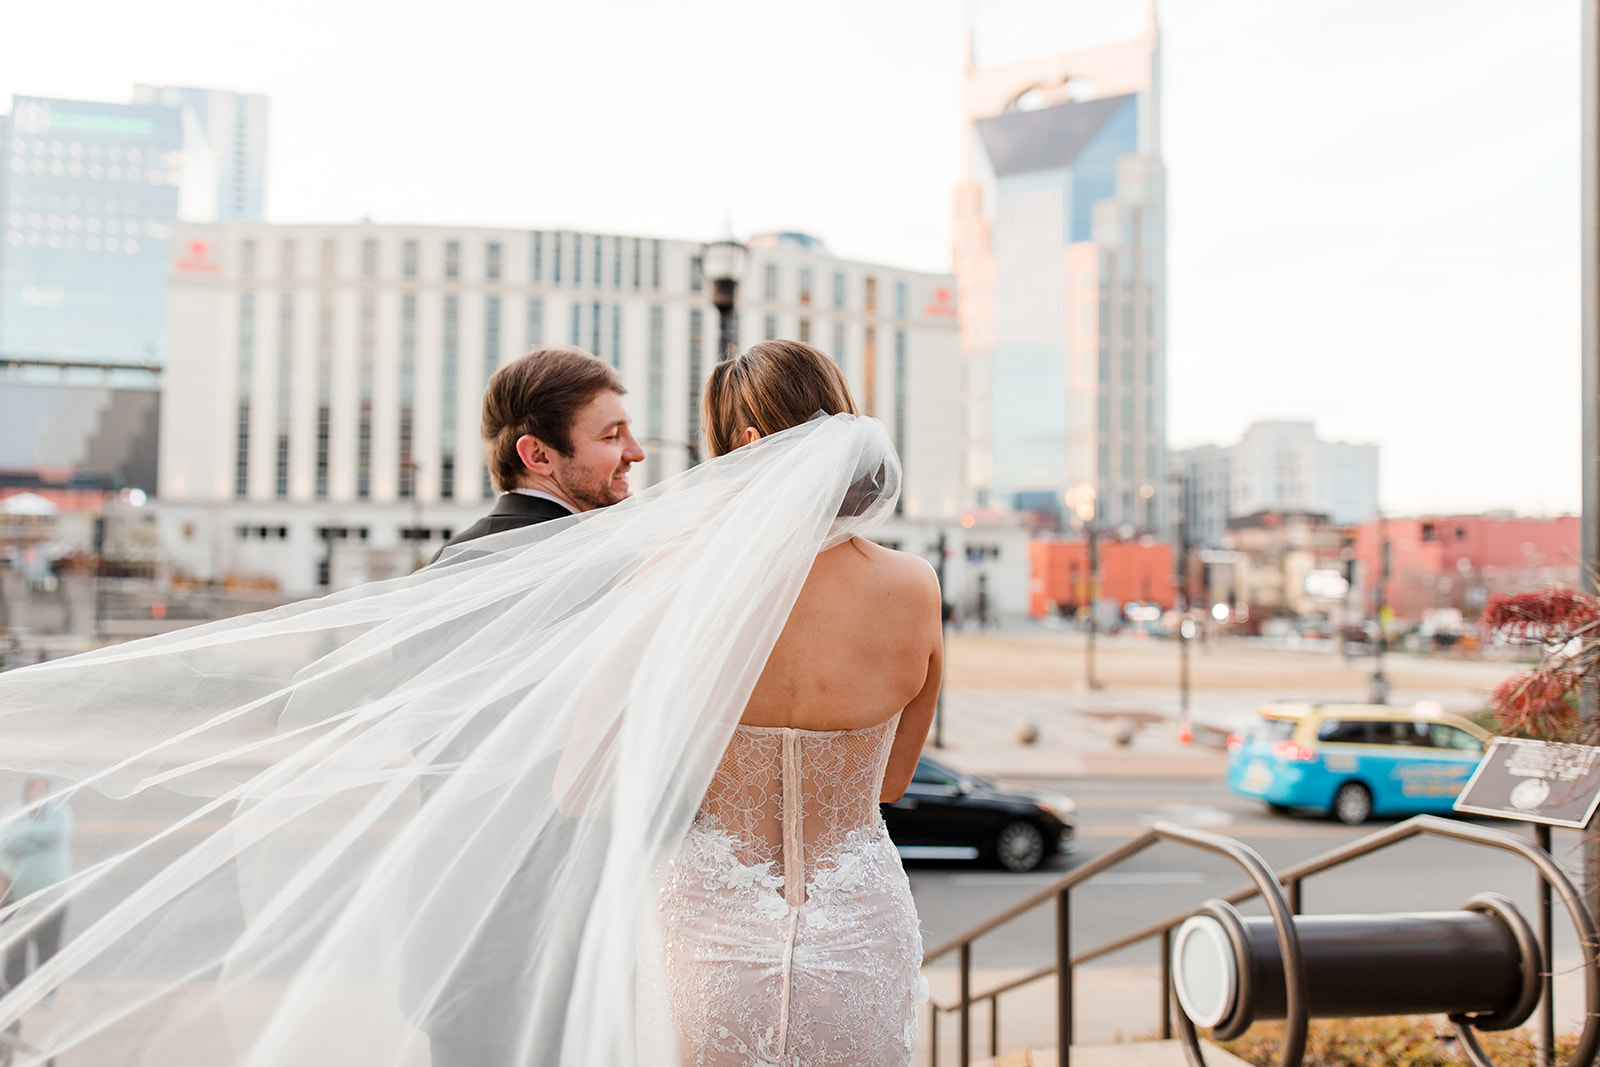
{"points": [[590, 490]]}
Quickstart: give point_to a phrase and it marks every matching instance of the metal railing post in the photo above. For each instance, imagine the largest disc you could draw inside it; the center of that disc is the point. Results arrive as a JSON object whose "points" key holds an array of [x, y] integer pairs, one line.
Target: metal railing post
{"points": [[1547, 1003], [965, 1057], [1166, 986], [994, 1026], [1064, 976], [1294, 896]]}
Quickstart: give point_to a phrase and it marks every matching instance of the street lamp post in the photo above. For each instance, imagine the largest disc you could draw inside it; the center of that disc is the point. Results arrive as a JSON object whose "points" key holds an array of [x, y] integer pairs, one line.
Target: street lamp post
{"points": [[722, 262], [1378, 689]]}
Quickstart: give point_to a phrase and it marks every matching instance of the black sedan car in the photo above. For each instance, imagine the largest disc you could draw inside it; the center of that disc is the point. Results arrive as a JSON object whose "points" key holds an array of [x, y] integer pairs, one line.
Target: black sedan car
{"points": [[947, 814]]}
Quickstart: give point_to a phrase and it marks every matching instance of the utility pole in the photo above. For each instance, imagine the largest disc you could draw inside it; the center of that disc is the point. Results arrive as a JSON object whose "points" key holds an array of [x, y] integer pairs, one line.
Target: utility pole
{"points": [[1378, 688], [1589, 153], [1094, 594], [1185, 624], [944, 623]]}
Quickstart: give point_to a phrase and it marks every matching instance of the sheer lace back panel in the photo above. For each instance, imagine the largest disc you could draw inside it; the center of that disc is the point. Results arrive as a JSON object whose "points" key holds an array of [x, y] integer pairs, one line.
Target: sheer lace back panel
{"points": [[789, 797]]}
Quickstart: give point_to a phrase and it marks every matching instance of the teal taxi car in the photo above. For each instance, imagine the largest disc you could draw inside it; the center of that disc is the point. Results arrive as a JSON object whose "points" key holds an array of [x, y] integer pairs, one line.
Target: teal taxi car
{"points": [[1353, 761]]}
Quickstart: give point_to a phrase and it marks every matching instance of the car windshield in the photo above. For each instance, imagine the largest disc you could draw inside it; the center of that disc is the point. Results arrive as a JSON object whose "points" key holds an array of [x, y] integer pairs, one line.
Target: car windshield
{"points": [[1273, 730], [931, 773]]}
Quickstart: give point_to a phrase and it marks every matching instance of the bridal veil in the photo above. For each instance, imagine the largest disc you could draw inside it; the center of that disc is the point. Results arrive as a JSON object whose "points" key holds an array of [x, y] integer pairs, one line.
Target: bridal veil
{"points": [[436, 805]]}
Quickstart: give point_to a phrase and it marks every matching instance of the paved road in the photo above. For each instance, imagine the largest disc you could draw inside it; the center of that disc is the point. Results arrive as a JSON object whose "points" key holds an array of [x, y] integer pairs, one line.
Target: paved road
{"points": [[1424, 875]]}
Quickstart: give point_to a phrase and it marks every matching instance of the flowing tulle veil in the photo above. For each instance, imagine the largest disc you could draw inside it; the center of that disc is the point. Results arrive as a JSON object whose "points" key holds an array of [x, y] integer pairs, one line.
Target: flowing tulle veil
{"points": [[426, 807]]}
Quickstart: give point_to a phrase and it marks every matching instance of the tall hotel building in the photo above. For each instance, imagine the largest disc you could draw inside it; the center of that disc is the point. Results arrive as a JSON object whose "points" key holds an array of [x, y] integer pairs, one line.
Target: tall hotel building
{"points": [[323, 383], [1060, 251]]}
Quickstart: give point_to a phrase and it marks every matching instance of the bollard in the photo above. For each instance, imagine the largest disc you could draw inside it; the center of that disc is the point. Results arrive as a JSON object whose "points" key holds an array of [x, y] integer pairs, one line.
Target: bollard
{"points": [[1481, 965]]}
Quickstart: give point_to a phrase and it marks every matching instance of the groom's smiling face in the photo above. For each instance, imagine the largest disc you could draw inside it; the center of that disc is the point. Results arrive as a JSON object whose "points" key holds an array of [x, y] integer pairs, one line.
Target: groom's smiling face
{"points": [[603, 451]]}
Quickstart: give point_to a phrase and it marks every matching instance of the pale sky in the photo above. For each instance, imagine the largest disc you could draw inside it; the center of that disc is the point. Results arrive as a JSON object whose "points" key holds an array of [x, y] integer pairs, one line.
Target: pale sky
{"points": [[1373, 206]]}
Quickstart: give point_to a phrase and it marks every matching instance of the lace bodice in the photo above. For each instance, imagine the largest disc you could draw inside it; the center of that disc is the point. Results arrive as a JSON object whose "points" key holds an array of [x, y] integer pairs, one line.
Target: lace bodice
{"points": [[790, 934], [789, 797]]}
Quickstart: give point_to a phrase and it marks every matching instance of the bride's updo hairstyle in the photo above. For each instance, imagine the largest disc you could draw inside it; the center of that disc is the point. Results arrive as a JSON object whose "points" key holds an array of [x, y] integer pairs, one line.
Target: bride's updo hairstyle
{"points": [[772, 386]]}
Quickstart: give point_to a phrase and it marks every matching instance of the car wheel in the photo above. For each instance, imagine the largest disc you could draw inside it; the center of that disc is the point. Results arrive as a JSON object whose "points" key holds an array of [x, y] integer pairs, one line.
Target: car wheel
{"points": [[1352, 804], [1019, 847]]}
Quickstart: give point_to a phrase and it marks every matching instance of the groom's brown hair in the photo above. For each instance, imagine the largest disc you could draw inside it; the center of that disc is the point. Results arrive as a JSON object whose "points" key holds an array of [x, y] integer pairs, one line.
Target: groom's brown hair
{"points": [[539, 395], [772, 386]]}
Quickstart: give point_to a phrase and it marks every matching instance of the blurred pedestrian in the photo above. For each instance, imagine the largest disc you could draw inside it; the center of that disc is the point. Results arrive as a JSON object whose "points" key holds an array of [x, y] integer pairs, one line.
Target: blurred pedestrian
{"points": [[35, 856]]}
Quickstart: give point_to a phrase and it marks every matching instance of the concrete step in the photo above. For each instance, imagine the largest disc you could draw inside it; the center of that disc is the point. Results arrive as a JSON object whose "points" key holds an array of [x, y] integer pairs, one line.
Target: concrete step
{"points": [[1126, 1054]]}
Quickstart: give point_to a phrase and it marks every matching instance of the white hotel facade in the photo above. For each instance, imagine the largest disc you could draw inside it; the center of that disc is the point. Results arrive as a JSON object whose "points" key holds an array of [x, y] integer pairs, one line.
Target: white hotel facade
{"points": [[319, 418]]}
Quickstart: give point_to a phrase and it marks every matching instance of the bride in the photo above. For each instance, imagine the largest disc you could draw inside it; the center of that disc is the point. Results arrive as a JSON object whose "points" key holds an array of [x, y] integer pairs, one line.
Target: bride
{"points": [[606, 786]]}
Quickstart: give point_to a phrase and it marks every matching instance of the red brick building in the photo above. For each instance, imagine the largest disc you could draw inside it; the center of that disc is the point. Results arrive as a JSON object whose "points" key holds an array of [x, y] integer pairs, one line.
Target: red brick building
{"points": [[1138, 570], [1457, 561]]}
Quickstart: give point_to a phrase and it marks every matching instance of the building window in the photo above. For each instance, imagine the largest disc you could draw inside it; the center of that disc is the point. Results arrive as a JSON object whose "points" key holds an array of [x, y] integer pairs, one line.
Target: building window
{"points": [[597, 246], [805, 285], [538, 257], [636, 262], [616, 263], [900, 408], [285, 381], [655, 383], [452, 259], [247, 348], [491, 261], [869, 371], [491, 362], [769, 282], [871, 294], [1127, 414], [655, 264], [805, 330], [247, 259], [449, 373], [408, 395], [555, 260], [697, 282], [594, 331], [838, 343], [577, 259], [286, 257], [369, 258], [535, 321], [577, 324], [900, 300], [616, 335], [329, 257], [367, 355], [769, 327], [838, 288], [408, 259], [324, 392], [697, 327]]}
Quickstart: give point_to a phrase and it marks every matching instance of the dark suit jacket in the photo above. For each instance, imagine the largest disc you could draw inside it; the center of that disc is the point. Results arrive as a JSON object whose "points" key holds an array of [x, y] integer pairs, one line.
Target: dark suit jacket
{"points": [[511, 512]]}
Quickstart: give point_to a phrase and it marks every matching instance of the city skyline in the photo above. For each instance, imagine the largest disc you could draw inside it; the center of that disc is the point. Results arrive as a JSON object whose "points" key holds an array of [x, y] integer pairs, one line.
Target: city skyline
{"points": [[1360, 234]]}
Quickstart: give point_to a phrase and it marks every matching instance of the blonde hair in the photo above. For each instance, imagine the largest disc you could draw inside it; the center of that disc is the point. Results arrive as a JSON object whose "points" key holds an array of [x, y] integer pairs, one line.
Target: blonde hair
{"points": [[772, 386]]}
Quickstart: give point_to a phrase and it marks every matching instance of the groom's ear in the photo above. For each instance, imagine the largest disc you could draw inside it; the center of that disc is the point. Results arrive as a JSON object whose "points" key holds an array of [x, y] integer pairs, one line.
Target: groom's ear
{"points": [[535, 455]]}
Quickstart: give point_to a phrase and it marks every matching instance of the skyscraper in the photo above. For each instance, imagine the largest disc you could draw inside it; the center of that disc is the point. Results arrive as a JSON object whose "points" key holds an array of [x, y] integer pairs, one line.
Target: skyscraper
{"points": [[90, 193], [234, 131], [1060, 252]]}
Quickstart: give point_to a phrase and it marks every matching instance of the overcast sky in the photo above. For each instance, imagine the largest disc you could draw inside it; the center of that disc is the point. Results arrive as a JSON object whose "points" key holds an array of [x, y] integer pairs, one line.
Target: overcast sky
{"points": [[1373, 205]]}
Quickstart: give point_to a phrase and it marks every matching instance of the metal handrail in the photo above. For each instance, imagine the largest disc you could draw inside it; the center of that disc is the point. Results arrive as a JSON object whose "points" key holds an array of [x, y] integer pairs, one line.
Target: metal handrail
{"points": [[1061, 891], [1291, 879]]}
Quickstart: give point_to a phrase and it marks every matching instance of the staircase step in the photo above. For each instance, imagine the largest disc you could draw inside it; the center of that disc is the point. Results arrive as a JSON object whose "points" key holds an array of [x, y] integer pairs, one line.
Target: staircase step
{"points": [[1127, 1054]]}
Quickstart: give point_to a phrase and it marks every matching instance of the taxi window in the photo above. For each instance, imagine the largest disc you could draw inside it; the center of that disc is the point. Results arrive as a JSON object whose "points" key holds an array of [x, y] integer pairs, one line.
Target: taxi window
{"points": [[1345, 732], [932, 774], [1413, 734], [1454, 737]]}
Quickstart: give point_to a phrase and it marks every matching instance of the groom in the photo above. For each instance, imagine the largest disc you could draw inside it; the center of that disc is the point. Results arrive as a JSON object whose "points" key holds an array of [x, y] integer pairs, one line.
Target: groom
{"points": [[557, 439]]}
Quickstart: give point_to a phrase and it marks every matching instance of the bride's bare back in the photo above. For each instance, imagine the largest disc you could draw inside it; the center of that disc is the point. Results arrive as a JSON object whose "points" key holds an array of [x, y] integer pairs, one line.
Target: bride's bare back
{"points": [[862, 643]]}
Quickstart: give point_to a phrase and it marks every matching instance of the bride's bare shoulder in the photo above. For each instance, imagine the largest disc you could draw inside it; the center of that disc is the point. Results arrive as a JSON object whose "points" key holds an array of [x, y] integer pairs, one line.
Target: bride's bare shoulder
{"points": [[901, 572]]}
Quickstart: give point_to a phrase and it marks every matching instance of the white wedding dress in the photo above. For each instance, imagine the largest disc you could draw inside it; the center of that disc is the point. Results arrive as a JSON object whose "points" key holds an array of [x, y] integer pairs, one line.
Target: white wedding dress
{"points": [[790, 936]]}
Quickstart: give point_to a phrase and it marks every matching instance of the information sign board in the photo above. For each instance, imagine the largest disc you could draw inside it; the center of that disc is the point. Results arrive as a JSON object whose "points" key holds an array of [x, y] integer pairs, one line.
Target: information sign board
{"points": [[1535, 781]]}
